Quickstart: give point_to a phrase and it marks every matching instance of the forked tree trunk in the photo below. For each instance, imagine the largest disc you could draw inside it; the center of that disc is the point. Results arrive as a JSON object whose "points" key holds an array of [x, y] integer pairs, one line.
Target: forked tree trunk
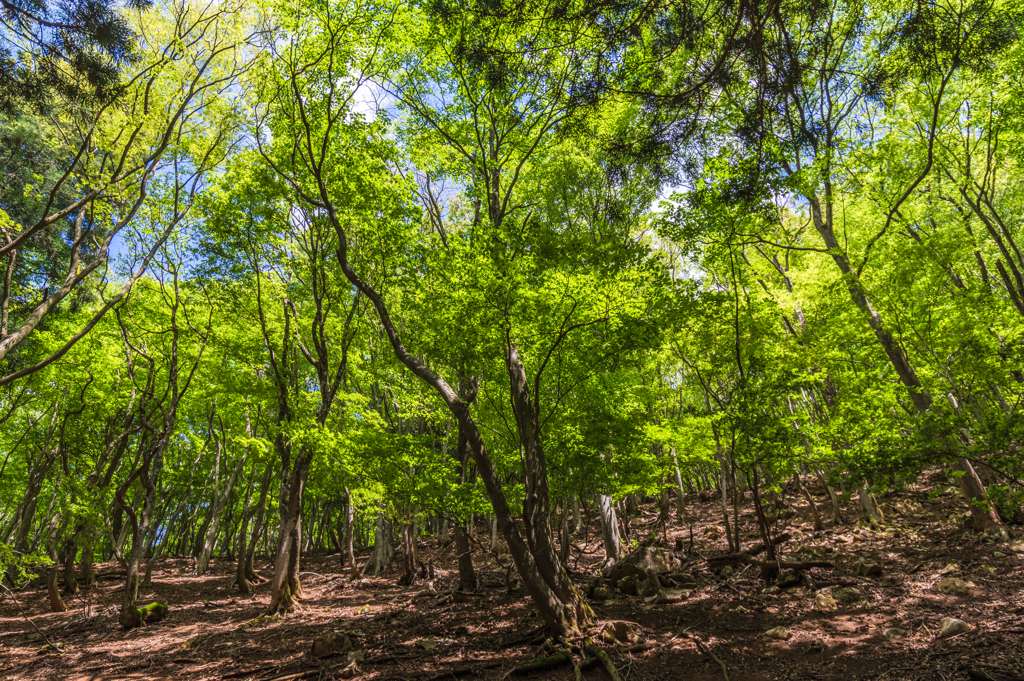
{"points": [[216, 512], [285, 587], [130, 616]]}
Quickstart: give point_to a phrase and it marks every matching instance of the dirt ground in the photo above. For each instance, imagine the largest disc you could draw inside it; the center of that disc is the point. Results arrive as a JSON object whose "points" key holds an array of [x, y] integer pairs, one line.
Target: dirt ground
{"points": [[212, 634]]}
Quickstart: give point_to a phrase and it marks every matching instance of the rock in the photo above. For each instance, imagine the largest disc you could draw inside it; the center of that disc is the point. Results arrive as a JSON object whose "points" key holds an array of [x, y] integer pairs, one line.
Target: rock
{"points": [[330, 643], [673, 596], [788, 579], [949, 569], [998, 554], [428, 643], [987, 570], [893, 633], [848, 595], [818, 550], [682, 578], [714, 533], [357, 656], [34, 636], [951, 627], [825, 603], [780, 633], [624, 570], [868, 569], [602, 594], [654, 558], [1017, 546], [770, 590], [650, 587], [628, 585], [620, 632], [954, 586], [907, 508]]}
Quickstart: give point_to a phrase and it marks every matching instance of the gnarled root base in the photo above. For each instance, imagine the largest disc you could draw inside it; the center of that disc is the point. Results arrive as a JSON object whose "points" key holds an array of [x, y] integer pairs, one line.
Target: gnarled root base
{"points": [[561, 656]]}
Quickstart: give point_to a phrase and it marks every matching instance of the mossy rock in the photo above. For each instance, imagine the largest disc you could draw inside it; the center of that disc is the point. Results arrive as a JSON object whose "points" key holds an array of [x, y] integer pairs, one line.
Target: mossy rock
{"points": [[154, 612]]}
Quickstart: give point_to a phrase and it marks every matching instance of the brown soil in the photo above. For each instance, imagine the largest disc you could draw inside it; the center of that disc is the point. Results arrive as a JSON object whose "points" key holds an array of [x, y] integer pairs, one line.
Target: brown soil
{"points": [[212, 634]]}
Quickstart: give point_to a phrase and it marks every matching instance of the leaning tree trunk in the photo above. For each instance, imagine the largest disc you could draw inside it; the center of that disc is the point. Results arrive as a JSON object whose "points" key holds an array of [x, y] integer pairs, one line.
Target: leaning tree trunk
{"points": [[983, 517], [216, 512], [818, 525], [563, 613]]}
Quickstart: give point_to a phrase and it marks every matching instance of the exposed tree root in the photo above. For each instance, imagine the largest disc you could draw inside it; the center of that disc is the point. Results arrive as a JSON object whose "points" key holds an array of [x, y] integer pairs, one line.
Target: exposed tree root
{"points": [[707, 649], [593, 650], [744, 556], [550, 662], [463, 671]]}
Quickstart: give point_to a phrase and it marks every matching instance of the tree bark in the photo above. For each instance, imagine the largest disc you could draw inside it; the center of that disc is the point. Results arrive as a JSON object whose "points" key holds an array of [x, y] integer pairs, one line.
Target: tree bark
{"points": [[609, 530]]}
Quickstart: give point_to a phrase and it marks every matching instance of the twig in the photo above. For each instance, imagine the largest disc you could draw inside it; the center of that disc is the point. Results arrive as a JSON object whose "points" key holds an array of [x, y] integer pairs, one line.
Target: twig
{"points": [[29, 620], [707, 649]]}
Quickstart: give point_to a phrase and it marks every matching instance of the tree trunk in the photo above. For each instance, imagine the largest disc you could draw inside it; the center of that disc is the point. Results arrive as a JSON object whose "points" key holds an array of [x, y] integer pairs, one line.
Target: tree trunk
{"points": [[285, 587], [216, 511], [56, 604], [382, 548], [350, 536], [609, 530], [70, 552], [837, 511], [870, 507], [680, 490], [464, 551], [984, 519], [818, 525]]}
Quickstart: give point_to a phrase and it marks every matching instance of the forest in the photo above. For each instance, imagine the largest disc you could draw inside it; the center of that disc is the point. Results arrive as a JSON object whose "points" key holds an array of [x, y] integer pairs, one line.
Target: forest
{"points": [[553, 339]]}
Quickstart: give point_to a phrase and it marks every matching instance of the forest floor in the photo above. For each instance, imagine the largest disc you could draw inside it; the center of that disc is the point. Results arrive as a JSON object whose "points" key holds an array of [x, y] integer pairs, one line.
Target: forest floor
{"points": [[415, 633]]}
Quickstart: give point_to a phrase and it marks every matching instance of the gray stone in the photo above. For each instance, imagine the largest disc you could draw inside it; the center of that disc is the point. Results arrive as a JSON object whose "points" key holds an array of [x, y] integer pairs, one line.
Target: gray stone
{"points": [[952, 627]]}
